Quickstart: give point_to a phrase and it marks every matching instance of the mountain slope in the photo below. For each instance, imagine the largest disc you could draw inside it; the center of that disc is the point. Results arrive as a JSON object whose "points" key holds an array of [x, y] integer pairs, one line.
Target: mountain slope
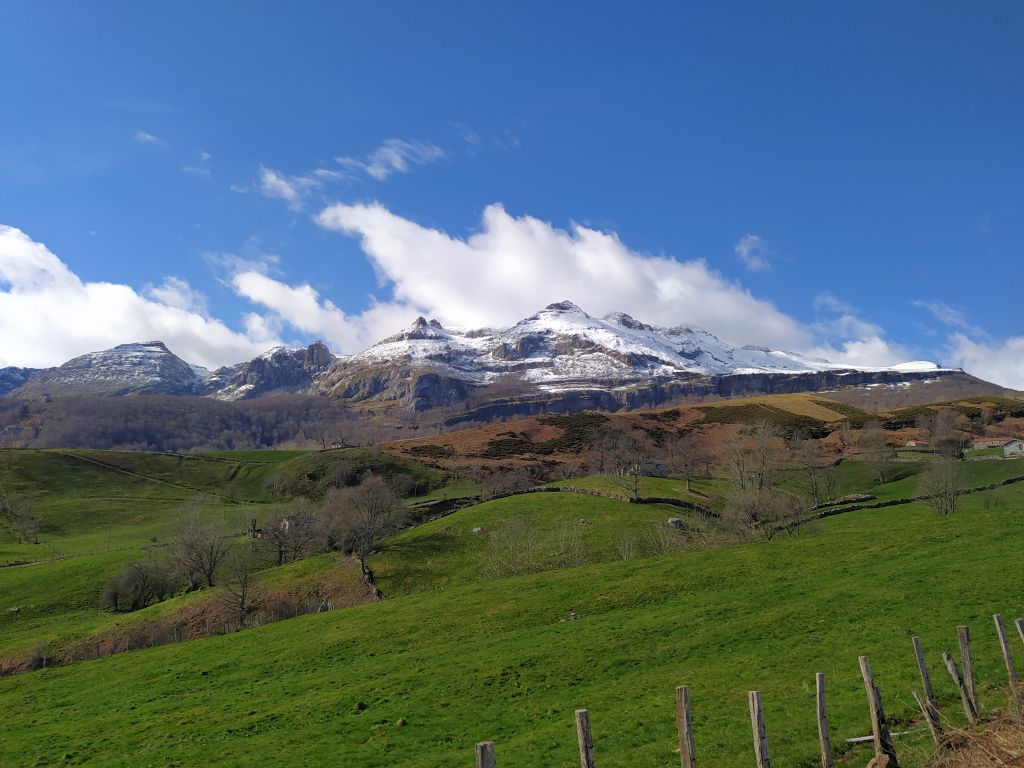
{"points": [[281, 370], [562, 351], [148, 368]]}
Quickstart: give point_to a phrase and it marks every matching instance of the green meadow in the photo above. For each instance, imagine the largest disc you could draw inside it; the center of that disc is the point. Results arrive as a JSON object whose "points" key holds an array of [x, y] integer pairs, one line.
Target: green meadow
{"points": [[458, 653]]}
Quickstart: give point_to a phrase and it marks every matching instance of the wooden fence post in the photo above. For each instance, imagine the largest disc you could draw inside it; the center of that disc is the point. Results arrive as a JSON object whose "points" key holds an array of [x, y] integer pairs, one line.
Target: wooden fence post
{"points": [[879, 726], [823, 739], [964, 636], [931, 718], [926, 680], [585, 739], [684, 722], [485, 754], [1008, 659], [1019, 624], [760, 733], [965, 697]]}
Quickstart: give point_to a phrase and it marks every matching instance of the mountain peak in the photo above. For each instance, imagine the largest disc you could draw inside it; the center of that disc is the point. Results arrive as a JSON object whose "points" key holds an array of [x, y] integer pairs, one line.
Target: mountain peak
{"points": [[563, 306], [623, 320]]}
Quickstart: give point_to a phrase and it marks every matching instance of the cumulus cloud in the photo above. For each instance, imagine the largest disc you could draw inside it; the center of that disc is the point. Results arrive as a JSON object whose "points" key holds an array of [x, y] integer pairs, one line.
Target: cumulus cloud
{"points": [[843, 336], [970, 347], [394, 156], [49, 315], [754, 253], [513, 266], [998, 361]]}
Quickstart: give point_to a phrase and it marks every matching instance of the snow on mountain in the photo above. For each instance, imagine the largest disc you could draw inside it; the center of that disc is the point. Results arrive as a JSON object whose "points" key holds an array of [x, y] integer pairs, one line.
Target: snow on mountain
{"points": [[560, 349], [562, 343], [127, 369], [279, 370]]}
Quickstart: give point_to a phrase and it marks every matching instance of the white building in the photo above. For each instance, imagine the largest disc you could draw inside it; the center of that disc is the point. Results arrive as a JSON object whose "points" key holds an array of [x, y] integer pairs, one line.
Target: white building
{"points": [[1013, 449]]}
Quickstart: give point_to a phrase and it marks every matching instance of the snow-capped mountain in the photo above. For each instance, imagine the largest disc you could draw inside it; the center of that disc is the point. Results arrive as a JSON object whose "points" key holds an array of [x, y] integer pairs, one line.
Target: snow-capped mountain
{"points": [[560, 358], [559, 349], [149, 368], [281, 370]]}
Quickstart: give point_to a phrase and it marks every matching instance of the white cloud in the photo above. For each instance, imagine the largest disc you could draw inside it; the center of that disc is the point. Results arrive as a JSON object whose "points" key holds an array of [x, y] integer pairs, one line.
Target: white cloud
{"points": [[998, 361], [514, 266], [175, 292], [754, 253], [143, 137], [291, 189], [49, 315], [394, 156], [845, 337], [201, 167], [950, 316]]}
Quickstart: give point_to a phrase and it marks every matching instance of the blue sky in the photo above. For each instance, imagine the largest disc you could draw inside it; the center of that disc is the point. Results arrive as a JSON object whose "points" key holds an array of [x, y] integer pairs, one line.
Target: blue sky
{"points": [[836, 178]]}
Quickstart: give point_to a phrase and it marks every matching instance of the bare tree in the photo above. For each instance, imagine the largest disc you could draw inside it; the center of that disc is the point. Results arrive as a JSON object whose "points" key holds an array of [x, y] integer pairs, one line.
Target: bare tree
{"points": [[513, 548], [291, 532], [762, 513], [764, 463], [199, 545], [829, 481], [877, 451], [358, 518], [17, 510], [685, 453], [138, 585], [808, 457], [945, 437], [630, 455], [942, 485], [736, 461], [238, 574]]}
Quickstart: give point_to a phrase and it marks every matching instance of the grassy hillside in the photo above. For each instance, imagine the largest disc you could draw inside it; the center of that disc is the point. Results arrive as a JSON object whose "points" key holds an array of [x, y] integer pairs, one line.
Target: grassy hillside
{"points": [[416, 680], [99, 508]]}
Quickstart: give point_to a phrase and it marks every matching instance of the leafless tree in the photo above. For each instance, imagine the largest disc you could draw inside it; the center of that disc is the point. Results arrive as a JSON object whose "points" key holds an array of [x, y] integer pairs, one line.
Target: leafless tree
{"points": [[358, 518], [626, 545], [762, 513], [513, 548], [17, 510], [942, 484], [569, 550], [499, 482], [631, 453], [198, 546], [238, 574], [829, 480], [877, 451], [685, 453], [807, 456], [291, 532], [138, 585], [764, 458], [945, 435], [736, 461]]}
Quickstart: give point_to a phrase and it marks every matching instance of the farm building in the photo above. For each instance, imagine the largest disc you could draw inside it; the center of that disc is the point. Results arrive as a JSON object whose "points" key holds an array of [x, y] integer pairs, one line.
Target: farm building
{"points": [[991, 442], [1013, 448]]}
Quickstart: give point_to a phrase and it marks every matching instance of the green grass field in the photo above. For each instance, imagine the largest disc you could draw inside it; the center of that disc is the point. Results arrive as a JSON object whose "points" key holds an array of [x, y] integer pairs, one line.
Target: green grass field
{"points": [[99, 508], [497, 659], [458, 654]]}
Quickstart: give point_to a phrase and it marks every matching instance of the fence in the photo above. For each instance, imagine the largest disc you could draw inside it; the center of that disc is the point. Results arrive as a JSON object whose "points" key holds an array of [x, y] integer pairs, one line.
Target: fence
{"points": [[881, 736]]}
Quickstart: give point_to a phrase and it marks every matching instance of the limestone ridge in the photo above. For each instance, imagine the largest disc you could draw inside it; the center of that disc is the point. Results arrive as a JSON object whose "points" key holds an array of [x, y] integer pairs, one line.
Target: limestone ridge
{"points": [[281, 370], [562, 353], [559, 358]]}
